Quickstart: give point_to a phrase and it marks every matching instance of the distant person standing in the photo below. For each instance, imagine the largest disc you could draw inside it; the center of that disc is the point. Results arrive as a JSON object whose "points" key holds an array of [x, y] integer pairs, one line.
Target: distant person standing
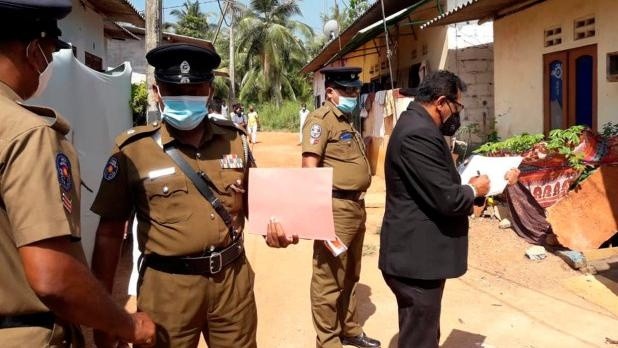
{"points": [[302, 114], [224, 110], [237, 116], [253, 122], [214, 110]]}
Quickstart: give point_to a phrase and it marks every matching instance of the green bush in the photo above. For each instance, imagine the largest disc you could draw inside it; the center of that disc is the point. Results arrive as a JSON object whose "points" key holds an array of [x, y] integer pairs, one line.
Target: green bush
{"points": [[284, 118], [139, 102]]}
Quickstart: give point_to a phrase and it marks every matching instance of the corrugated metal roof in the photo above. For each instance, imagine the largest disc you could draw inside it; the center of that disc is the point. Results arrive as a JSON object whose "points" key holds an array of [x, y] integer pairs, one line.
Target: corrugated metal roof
{"points": [[372, 15], [119, 11], [170, 37], [479, 9], [375, 29]]}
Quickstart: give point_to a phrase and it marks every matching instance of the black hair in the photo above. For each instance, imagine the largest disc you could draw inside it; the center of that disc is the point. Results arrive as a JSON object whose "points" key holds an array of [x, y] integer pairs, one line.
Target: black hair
{"points": [[215, 105], [439, 83]]}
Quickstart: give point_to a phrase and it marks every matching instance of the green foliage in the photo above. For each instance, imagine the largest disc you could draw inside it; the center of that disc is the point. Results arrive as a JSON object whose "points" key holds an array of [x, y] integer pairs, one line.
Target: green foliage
{"points": [[517, 144], [564, 141], [560, 141], [139, 102], [609, 130], [284, 117], [190, 21], [345, 17], [270, 51]]}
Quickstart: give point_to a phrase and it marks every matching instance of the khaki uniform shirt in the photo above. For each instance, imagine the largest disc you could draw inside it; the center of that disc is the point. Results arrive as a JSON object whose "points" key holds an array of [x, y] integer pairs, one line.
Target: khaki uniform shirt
{"points": [[39, 192], [329, 134], [174, 219]]}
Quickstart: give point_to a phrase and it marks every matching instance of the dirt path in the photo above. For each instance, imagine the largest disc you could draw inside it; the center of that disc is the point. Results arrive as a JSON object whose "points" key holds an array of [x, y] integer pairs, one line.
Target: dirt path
{"points": [[504, 300]]}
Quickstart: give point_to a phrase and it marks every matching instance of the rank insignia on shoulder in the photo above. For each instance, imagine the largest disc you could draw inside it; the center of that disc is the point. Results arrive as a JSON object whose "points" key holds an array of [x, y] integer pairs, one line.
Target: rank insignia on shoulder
{"points": [[63, 168], [231, 161], [111, 169], [67, 202]]}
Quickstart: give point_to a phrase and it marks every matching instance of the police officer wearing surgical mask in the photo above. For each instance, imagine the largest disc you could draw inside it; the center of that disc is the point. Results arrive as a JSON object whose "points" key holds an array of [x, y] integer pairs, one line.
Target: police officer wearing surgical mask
{"points": [[330, 140], [194, 276], [46, 290]]}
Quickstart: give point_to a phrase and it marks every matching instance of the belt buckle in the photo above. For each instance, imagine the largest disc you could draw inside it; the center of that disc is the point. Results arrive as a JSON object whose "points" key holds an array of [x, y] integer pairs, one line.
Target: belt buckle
{"points": [[215, 269]]}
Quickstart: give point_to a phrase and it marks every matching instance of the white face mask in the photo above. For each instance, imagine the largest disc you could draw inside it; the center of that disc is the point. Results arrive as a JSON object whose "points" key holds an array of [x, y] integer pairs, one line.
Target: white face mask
{"points": [[44, 76]]}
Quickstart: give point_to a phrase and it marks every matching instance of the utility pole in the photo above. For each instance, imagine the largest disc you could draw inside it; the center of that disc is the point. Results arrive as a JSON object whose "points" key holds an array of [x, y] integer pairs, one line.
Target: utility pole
{"points": [[154, 12], [232, 7]]}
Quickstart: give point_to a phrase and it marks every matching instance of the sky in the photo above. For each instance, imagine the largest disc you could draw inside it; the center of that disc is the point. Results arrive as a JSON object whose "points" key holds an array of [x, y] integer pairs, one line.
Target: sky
{"points": [[311, 9]]}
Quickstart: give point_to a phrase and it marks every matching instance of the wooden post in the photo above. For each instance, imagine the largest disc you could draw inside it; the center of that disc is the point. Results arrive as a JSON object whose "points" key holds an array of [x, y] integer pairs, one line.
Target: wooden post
{"points": [[232, 55], [154, 12]]}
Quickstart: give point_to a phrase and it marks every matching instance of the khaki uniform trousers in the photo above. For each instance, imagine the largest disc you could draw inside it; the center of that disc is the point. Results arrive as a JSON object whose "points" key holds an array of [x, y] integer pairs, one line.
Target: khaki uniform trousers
{"points": [[220, 306], [333, 284], [62, 336]]}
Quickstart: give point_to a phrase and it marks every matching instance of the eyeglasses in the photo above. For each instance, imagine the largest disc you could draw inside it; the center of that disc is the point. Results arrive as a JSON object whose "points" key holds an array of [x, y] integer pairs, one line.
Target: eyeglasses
{"points": [[460, 106]]}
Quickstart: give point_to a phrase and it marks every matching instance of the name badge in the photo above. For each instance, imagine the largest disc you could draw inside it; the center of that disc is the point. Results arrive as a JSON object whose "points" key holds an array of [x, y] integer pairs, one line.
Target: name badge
{"points": [[346, 137], [153, 174], [231, 161]]}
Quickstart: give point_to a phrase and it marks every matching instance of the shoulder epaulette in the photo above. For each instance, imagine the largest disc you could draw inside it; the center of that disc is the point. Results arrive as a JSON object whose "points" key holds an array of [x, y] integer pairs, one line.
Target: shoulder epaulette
{"points": [[136, 133], [227, 124], [320, 112]]}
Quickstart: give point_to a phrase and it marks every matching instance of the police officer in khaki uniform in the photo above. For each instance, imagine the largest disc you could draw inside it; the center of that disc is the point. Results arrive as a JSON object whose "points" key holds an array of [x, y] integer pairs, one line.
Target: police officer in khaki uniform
{"points": [[330, 140], [194, 277], [46, 289]]}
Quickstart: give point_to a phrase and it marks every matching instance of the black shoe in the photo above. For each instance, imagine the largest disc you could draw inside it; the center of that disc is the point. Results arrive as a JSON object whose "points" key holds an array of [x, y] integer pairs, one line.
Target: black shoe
{"points": [[361, 341]]}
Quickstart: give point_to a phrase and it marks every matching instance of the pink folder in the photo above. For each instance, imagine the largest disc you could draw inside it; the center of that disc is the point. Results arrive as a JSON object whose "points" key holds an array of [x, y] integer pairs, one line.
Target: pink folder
{"points": [[299, 198]]}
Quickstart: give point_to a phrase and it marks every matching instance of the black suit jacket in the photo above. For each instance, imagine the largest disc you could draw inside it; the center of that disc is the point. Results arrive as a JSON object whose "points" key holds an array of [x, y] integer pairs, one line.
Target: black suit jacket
{"points": [[425, 228]]}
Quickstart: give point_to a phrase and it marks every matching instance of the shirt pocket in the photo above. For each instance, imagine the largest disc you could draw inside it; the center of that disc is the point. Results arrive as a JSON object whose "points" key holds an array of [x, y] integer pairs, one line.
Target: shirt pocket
{"points": [[231, 199], [344, 146], [168, 199]]}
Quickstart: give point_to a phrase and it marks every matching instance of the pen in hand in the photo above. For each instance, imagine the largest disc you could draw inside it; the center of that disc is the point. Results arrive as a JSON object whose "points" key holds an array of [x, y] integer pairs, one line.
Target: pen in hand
{"points": [[478, 173]]}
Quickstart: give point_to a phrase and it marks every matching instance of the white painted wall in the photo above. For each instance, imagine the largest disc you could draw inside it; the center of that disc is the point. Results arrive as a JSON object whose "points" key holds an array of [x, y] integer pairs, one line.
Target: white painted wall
{"points": [[519, 50], [83, 28]]}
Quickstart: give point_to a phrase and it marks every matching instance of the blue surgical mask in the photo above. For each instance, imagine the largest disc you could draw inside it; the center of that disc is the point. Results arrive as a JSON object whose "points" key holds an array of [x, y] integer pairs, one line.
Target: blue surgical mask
{"points": [[346, 104], [184, 112]]}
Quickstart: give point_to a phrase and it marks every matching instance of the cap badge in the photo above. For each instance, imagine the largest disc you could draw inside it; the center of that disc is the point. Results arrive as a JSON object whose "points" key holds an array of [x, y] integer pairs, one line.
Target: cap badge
{"points": [[185, 68]]}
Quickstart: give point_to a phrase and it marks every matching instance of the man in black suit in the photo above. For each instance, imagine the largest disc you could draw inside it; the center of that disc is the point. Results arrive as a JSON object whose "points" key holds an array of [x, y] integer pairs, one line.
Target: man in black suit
{"points": [[424, 237]]}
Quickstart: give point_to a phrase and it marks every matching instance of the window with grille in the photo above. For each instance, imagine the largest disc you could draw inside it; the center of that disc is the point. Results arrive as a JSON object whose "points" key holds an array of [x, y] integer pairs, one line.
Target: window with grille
{"points": [[553, 36], [584, 28]]}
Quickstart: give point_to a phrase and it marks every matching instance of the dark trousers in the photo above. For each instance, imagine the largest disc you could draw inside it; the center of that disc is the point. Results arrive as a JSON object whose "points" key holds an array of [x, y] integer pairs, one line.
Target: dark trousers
{"points": [[419, 302]]}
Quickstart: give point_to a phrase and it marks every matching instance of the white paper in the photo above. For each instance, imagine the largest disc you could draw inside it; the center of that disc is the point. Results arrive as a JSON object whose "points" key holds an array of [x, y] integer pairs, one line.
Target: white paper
{"points": [[494, 167]]}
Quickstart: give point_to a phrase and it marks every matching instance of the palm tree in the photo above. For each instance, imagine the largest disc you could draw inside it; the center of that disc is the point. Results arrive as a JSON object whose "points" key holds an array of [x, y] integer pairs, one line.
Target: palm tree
{"points": [[269, 49], [191, 21]]}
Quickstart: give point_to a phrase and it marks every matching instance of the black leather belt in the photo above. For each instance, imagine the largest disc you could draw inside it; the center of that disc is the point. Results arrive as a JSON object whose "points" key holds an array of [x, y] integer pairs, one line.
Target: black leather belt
{"points": [[199, 265], [45, 319], [349, 195]]}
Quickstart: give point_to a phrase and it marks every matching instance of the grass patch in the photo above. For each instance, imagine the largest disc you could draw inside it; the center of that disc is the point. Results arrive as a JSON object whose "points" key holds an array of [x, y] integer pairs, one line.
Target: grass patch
{"points": [[283, 118]]}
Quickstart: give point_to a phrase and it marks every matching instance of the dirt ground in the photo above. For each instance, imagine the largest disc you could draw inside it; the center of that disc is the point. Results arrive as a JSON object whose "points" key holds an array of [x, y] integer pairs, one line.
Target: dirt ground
{"points": [[505, 300]]}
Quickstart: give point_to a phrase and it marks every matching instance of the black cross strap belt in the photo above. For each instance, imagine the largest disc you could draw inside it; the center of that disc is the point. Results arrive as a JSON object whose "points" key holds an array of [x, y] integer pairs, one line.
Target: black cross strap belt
{"points": [[200, 180], [43, 319]]}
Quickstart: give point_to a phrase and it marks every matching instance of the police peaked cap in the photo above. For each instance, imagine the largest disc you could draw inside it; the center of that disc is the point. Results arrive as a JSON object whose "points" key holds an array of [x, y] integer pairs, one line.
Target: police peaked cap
{"points": [[343, 76], [30, 19], [183, 63]]}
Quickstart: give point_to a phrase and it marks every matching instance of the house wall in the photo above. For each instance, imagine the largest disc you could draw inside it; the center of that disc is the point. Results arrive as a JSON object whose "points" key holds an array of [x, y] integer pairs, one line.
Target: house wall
{"points": [[519, 49], [120, 51], [83, 28], [466, 49]]}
